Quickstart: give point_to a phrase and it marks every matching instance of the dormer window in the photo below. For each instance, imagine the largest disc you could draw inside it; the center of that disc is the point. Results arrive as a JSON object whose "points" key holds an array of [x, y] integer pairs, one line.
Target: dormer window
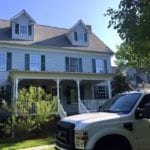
{"points": [[80, 36], [23, 29], [22, 25]]}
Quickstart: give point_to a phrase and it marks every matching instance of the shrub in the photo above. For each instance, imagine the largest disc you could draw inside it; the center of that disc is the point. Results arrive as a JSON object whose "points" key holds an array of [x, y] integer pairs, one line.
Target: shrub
{"points": [[33, 108]]}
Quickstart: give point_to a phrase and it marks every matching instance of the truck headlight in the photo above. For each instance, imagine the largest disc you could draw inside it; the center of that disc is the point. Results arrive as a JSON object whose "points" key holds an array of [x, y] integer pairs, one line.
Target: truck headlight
{"points": [[81, 138]]}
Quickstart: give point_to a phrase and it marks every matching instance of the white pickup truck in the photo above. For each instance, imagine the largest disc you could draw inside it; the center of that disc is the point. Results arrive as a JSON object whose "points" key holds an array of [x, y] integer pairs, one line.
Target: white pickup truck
{"points": [[122, 123]]}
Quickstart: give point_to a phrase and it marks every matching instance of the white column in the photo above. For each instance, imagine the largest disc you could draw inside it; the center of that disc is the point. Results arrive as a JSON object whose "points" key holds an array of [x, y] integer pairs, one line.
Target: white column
{"points": [[58, 93], [78, 86], [109, 89], [16, 94], [15, 88]]}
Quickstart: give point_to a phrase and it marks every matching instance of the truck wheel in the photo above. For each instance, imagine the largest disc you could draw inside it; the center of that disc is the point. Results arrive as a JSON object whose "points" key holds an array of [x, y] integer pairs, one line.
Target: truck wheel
{"points": [[113, 143]]}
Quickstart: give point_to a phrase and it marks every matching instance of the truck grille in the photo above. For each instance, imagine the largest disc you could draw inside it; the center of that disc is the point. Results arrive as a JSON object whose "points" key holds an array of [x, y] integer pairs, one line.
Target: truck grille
{"points": [[65, 135]]}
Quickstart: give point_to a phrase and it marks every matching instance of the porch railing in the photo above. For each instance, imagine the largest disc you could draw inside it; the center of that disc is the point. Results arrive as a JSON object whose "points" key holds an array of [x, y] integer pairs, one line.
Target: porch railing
{"points": [[82, 108], [61, 110], [93, 105]]}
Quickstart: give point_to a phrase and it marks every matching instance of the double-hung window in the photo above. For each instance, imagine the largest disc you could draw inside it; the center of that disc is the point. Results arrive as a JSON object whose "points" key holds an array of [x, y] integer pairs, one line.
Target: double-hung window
{"points": [[73, 64], [35, 62], [23, 29], [2, 62], [99, 66], [100, 92]]}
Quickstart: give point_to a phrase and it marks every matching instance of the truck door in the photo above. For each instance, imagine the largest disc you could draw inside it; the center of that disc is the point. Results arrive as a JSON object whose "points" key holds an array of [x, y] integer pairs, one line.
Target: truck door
{"points": [[142, 126]]}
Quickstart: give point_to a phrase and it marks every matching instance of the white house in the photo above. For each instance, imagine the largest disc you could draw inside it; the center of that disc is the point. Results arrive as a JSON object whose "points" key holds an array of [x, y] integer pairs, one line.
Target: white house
{"points": [[72, 64]]}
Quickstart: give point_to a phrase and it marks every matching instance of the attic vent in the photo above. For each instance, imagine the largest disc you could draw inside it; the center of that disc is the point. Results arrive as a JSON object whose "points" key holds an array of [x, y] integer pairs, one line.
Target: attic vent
{"points": [[89, 28]]}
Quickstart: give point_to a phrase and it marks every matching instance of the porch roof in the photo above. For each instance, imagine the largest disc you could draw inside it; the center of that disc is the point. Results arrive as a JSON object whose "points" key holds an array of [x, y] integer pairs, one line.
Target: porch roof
{"points": [[17, 74]]}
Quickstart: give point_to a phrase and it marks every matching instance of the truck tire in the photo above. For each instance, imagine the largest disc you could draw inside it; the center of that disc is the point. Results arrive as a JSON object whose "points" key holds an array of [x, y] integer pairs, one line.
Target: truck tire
{"points": [[113, 143]]}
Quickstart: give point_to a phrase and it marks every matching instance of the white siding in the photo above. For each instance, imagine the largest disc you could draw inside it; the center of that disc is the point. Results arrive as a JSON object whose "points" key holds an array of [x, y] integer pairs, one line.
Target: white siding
{"points": [[54, 61], [3, 77]]}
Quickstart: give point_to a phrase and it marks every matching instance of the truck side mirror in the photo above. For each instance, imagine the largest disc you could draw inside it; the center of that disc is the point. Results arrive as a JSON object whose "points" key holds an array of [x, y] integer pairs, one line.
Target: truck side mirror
{"points": [[141, 113]]}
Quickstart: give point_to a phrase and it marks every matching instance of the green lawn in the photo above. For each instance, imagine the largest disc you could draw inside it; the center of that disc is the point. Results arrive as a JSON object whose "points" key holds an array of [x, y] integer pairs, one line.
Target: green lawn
{"points": [[13, 145]]}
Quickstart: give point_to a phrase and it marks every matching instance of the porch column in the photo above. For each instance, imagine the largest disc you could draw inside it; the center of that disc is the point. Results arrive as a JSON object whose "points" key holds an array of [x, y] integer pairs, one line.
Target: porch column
{"points": [[58, 94], [15, 88], [78, 86], [109, 89]]}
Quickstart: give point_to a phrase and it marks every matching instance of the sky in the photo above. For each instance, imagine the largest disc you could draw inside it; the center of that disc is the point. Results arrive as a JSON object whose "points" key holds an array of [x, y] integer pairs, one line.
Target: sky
{"points": [[65, 13]]}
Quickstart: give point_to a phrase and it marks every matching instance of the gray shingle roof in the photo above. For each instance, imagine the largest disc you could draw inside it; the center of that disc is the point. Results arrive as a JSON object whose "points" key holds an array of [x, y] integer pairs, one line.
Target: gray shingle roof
{"points": [[51, 37]]}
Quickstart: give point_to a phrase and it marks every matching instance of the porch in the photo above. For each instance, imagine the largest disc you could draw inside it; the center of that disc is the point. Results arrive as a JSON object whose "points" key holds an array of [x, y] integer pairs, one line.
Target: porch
{"points": [[76, 92]]}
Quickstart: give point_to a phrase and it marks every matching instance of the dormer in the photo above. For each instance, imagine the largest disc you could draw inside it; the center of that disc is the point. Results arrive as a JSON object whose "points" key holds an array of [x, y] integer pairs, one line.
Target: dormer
{"points": [[79, 34], [22, 26]]}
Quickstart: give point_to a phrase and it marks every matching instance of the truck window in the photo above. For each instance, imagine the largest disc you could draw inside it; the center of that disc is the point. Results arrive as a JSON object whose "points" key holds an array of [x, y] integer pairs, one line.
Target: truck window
{"points": [[122, 103], [145, 101]]}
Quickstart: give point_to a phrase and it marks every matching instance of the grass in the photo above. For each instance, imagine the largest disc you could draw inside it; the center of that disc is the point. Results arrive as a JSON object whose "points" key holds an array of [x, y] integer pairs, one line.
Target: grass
{"points": [[13, 145]]}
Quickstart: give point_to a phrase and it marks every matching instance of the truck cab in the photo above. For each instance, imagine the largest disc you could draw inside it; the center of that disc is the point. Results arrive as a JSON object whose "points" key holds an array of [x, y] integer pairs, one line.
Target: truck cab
{"points": [[122, 123]]}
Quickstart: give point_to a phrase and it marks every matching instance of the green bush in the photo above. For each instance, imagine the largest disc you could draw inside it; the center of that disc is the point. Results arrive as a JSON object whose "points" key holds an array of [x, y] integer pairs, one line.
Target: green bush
{"points": [[33, 108]]}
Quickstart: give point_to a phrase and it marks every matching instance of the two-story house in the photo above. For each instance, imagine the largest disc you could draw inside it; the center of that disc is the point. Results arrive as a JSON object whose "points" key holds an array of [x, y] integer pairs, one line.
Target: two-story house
{"points": [[72, 64]]}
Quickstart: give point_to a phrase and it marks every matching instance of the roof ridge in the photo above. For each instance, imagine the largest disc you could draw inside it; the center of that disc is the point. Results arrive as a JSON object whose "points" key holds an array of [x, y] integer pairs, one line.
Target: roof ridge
{"points": [[4, 20]]}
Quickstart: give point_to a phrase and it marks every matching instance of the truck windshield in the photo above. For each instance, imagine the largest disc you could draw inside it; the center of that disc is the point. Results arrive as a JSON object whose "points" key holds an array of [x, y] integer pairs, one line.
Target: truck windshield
{"points": [[122, 103]]}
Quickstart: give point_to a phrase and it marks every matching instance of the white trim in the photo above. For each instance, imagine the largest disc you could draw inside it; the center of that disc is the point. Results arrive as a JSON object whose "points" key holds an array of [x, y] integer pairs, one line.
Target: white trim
{"points": [[54, 49], [21, 13]]}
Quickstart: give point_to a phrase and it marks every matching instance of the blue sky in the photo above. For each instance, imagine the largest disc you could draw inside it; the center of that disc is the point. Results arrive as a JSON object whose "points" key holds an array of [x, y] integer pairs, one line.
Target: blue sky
{"points": [[65, 13]]}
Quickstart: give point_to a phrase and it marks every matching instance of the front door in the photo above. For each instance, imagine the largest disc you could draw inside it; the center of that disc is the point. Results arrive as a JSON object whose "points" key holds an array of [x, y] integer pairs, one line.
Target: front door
{"points": [[142, 127]]}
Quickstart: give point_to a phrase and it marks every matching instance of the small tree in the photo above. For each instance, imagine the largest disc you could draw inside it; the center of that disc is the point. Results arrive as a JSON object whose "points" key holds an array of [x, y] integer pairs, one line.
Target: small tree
{"points": [[33, 108], [119, 84]]}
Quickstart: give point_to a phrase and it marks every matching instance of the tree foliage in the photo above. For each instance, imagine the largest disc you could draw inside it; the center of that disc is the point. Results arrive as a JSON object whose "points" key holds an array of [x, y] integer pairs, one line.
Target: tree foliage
{"points": [[33, 108], [132, 22], [119, 84]]}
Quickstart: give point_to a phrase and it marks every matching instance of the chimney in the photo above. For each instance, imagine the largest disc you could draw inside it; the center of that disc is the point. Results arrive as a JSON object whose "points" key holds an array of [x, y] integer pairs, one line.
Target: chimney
{"points": [[89, 28]]}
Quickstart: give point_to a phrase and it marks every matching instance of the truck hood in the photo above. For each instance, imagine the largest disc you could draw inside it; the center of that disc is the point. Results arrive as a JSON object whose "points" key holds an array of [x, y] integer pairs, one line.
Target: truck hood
{"points": [[91, 117]]}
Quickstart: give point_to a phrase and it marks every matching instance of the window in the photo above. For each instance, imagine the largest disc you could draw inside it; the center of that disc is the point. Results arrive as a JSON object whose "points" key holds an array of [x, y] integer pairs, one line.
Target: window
{"points": [[2, 62], [80, 36], [101, 92], [23, 29], [35, 62], [99, 66], [73, 64]]}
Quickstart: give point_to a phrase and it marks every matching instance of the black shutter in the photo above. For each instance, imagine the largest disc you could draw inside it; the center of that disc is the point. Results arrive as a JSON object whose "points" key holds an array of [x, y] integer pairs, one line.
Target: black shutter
{"points": [[29, 30], [105, 66], [75, 36], [80, 65], [16, 28], [9, 61], [85, 37], [27, 61], [67, 63], [42, 62], [94, 65]]}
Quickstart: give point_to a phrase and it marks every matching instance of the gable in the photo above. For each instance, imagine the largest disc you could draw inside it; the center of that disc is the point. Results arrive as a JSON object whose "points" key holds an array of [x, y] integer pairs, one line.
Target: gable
{"points": [[23, 13]]}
